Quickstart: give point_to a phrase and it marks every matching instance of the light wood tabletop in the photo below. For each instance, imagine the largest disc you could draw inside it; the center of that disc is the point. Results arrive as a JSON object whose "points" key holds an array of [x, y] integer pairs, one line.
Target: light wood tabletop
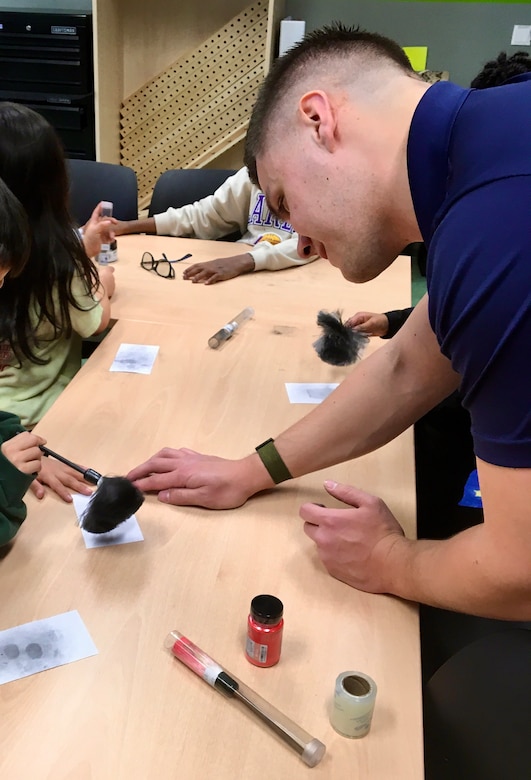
{"points": [[290, 296], [133, 711]]}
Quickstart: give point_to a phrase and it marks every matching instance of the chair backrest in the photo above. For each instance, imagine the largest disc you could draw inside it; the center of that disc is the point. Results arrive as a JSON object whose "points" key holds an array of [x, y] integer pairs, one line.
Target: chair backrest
{"points": [[180, 186], [92, 181], [476, 709]]}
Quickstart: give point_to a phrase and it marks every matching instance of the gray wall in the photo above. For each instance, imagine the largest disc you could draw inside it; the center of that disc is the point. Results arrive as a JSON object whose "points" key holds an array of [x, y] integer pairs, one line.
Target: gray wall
{"points": [[460, 37]]}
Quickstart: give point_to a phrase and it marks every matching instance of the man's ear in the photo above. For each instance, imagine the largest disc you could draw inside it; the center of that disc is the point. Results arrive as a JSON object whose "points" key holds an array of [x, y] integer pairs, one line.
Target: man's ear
{"points": [[319, 115]]}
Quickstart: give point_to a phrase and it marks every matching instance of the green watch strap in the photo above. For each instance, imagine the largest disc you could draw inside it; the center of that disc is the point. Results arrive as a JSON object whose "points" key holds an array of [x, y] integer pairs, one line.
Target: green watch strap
{"points": [[277, 469]]}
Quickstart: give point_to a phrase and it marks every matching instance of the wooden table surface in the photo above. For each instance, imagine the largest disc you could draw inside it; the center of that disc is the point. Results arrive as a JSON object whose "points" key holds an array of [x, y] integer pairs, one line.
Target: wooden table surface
{"points": [[290, 297], [132, 711]]}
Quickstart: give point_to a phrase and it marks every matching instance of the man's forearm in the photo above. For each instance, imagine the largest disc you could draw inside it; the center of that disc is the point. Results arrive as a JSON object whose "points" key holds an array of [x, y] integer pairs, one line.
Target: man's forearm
{"points": [[463, 574], [348, 424], [384, 395]]}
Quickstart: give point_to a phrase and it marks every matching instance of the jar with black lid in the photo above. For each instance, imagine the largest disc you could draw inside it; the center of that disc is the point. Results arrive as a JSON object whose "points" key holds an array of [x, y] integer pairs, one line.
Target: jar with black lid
{"points": [[264, 630]]}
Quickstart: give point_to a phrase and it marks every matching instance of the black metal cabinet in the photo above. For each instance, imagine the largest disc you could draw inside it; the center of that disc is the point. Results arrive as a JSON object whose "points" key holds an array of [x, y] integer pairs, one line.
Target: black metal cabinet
{"points": [[46, 63]]}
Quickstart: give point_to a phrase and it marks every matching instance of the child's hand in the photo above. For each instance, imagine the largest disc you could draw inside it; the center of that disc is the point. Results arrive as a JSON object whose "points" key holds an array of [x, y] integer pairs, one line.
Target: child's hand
{"points": [[219, 270], [368, 322], [23, 452], [97, 231], [61, 479], [106, 274]]}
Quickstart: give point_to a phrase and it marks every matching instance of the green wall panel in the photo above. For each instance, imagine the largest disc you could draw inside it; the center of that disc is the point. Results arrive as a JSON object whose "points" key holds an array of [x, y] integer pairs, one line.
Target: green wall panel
{"points": [[497, 2]]}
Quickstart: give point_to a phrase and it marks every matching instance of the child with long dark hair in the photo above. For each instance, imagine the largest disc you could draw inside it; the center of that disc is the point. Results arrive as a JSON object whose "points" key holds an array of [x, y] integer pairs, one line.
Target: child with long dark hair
{"points": [[20, 456], [59, 297]]}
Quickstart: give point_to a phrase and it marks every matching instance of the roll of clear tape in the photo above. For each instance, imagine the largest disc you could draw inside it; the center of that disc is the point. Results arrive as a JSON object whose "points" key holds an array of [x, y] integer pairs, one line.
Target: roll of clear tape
{"points": [[353, 705]]}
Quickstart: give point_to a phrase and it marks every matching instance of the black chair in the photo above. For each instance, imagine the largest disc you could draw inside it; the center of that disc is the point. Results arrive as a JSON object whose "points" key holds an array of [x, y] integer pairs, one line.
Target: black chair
{"points": [[477, 721], [418, 252], [92, 181], [181, 186]]}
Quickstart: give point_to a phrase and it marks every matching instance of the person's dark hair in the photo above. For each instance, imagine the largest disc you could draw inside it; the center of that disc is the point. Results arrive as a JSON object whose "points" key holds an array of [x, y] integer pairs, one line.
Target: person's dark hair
{"points": [[14, 232], [496, 72], [335, 40], [32, 165]]}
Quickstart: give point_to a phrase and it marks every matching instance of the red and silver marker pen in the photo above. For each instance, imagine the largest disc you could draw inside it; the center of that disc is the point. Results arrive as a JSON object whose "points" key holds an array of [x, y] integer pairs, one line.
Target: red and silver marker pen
{"points": [[311, 750]]}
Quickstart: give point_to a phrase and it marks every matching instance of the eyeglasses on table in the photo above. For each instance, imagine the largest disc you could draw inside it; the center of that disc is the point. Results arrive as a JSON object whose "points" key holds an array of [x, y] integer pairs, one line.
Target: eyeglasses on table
{"points": [[162, 267]]}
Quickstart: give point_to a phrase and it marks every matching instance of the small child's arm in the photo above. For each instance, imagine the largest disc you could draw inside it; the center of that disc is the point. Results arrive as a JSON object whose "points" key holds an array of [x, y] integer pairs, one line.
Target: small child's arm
{"points": [[20, 460], [104, 294], [219, 270], [60, 479], [124, 227], [263, 256]]}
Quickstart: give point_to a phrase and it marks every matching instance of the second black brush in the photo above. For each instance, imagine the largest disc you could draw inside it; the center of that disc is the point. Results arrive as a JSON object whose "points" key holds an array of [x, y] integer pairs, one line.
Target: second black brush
{"points": [[115, 499]]}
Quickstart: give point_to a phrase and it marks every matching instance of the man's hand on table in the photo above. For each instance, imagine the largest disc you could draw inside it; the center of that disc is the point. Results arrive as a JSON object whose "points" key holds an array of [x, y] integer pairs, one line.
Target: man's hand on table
{"points": [[354, 543], [60, 479], [186, 478]]}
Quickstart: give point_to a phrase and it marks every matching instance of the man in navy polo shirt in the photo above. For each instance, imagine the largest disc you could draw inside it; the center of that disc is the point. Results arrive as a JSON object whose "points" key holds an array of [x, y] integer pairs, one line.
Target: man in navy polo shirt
{"points": [[363, 158]]}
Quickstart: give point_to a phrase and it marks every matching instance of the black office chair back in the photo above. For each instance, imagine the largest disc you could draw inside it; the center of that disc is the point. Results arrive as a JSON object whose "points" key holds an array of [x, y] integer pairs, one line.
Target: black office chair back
{"points": [[180, 186], [92, 181], [476, 710]]}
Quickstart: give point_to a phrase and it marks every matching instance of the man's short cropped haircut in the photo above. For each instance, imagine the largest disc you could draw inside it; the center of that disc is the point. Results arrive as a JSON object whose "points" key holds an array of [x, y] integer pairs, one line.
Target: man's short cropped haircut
{"points": [[496, 72], [333, 41]]}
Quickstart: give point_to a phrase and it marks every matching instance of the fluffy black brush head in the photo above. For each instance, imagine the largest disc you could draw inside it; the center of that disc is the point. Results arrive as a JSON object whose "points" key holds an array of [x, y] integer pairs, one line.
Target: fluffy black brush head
{"points": [[114, 501], [339, 345]]}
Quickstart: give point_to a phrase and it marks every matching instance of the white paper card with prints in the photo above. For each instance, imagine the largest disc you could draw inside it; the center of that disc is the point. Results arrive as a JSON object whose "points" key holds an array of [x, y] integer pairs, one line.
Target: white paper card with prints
{"points": [[43, 644], [309, 392], [135, 358], [126, 532]]}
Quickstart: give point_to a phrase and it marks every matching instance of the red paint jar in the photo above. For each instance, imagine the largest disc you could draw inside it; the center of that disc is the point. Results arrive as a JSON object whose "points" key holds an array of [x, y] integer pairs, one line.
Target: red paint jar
{"points": [[264, 631]]}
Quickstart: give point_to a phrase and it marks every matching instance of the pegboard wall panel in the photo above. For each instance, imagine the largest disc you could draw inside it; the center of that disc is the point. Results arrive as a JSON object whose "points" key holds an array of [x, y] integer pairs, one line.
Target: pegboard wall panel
{"points": [[199, 106]]}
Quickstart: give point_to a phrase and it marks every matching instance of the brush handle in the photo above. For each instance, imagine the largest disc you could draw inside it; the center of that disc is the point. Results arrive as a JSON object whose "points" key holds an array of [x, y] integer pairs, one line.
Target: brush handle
{"points": [[88, 474]]}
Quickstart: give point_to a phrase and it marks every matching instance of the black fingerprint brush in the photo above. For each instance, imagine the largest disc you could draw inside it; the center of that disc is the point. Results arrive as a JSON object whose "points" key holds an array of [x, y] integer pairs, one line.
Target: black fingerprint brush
{"points": [[115, 499], [339, 345]]}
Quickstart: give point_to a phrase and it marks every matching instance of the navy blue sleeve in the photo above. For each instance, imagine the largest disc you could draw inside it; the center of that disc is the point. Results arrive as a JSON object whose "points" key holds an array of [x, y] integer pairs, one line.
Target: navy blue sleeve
{"points": [[479, 285]]}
